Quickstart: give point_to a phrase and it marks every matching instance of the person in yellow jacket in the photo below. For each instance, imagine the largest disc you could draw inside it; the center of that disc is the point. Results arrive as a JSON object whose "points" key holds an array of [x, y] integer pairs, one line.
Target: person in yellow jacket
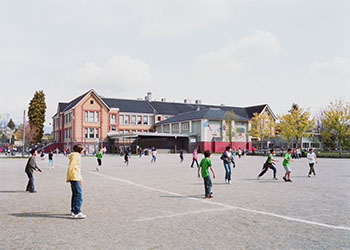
{"points": [[75, 179]]}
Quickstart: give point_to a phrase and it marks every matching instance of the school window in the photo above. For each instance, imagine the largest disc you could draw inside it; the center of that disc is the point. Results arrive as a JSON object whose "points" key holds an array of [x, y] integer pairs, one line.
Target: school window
{"points": [[315, 145], [306, 145], [175, 127], [151, 120], [113, 119], [139, 120], [159, 129], [91, 133], [159, 118], [121, 119], [91, 101], [133, 119], [86, 133], [113, 128], [91, 116], [186, 126], [127, 119], [145, 120], [166, 128]]}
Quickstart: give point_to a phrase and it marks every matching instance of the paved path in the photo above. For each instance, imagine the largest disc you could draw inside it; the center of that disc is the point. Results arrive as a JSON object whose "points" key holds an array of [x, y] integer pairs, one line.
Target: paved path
{"points": [[161, 206]]}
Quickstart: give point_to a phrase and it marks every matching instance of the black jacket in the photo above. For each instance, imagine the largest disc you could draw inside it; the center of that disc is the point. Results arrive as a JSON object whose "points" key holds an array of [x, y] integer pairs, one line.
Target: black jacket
{"points": [[31, 165]]}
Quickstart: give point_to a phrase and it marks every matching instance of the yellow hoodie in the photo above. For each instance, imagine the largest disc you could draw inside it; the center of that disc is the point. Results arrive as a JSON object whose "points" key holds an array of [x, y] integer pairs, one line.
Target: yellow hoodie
{"points": [[73, 172]]}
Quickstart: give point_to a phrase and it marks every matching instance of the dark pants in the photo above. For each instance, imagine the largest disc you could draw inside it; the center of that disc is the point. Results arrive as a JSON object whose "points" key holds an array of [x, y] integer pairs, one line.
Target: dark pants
{"points": [[30, 186], [227, 171], [207, 185], [267, 168], [194, 161], [77, 196], [99, 161], [312, 169]]}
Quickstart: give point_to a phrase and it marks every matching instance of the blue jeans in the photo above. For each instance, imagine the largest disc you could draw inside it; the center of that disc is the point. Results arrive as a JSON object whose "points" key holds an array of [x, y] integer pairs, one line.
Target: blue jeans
{"points": [[77, 196], [30, 186], [207, 185], [228, 171]]}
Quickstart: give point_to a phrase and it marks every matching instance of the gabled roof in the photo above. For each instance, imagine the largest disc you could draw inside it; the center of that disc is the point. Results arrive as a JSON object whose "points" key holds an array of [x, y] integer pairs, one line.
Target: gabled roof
{"points": [[172, 108], [129, 105], [72, 104], [62, 106], [255, 109]]}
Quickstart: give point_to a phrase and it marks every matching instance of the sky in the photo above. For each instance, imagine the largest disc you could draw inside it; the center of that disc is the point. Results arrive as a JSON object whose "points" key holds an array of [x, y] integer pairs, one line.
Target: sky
{"points": [[232, 52]]}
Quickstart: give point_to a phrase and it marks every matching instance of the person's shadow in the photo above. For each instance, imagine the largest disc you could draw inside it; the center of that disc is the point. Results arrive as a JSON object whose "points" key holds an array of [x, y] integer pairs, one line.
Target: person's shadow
{"points": [[12, 191], [42, 215]]}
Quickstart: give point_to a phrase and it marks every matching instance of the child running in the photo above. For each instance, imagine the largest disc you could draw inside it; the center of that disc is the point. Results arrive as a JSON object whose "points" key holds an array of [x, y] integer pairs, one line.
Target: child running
{"points": [[99, 156], [286, 162], [194, 158], [50, 159], [269, 164], [30, 167], [126, 157], [75, 179], [203, 169], [311, 156]]}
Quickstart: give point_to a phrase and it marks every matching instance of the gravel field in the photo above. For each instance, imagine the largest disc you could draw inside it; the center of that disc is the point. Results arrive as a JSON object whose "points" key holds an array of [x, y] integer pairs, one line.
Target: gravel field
{"points": [[161, 206]]}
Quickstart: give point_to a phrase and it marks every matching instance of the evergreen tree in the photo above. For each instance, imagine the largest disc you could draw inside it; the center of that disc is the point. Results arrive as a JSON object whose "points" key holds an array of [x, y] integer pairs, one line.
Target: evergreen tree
{"points": [[36, 115], [11, 124]]}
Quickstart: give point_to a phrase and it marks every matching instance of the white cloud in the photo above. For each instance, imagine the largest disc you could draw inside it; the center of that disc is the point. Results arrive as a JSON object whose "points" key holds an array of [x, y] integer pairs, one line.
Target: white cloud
{"points": [[337, 65], [119, 72], [236, 56]]}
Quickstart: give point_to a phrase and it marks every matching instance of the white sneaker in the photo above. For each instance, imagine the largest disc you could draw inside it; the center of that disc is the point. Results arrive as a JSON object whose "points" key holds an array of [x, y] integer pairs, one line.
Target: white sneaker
{"points": [[229, 182], [79, 216], [226, 181], [72, 214]]}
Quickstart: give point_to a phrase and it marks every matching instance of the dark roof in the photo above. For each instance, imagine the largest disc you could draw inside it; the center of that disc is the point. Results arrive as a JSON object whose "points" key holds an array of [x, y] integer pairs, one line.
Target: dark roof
{"points": [[210, 113], [255, 109], [129, 105], [62, 106], [173, 108], [74, 102]]}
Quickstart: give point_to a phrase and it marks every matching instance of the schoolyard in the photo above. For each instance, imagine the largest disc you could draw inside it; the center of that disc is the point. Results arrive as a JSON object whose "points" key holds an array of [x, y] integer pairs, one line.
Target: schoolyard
{"points": [[161, 206]]}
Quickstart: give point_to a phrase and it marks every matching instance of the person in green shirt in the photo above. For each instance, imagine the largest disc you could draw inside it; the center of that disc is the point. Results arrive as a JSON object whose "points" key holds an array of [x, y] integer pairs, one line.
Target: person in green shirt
{"points": [[269, 164], [203, 169], [286, 162], [99, 159]]}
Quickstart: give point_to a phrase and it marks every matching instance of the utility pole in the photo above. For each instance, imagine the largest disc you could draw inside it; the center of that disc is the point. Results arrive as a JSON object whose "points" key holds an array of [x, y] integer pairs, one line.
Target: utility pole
{"points": [[24, 131]]}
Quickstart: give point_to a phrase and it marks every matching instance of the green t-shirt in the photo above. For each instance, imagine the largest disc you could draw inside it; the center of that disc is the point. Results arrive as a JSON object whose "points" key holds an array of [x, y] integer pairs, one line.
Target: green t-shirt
{"points": [[99, 155], [205, 164], [269, 158], [288, 157]]}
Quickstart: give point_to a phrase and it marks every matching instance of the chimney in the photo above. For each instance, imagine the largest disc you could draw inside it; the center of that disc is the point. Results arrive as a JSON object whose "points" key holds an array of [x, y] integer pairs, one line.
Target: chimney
{"points": [[198, 101], [187, 101], [148, 97], [163, 100]]}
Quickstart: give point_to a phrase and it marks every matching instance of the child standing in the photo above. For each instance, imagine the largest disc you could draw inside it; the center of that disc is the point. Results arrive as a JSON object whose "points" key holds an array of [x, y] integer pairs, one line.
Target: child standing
{"points": [[30, 167], [75, 179], [311, 156], [181, 156], [194, 158], [50, 159], [154, 155], [203, 169], [227, 159], [286, 162], [99, 156]]}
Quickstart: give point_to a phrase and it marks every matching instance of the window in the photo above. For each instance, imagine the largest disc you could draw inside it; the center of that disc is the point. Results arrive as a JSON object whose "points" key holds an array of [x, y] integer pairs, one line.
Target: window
{"points": [[151, 120], [91, 116], [145, 120], [159, 118], [113, 128], [127, 119], [133, 119], [159, 129], [113, 119], [175, 127], [139, 120], [91, 133], [91, 101], [186, 126], [121, 119], [306, 145], [166, 128], [315, 145]]}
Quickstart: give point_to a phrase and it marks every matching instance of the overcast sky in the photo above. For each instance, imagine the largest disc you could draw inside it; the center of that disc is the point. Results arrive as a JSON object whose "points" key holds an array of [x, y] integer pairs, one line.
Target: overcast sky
{"points": [[238, 52]]}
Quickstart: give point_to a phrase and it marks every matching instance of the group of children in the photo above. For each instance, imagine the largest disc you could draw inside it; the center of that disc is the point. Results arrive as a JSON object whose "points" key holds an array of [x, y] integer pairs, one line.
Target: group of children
{"points": [[75, 179]]}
